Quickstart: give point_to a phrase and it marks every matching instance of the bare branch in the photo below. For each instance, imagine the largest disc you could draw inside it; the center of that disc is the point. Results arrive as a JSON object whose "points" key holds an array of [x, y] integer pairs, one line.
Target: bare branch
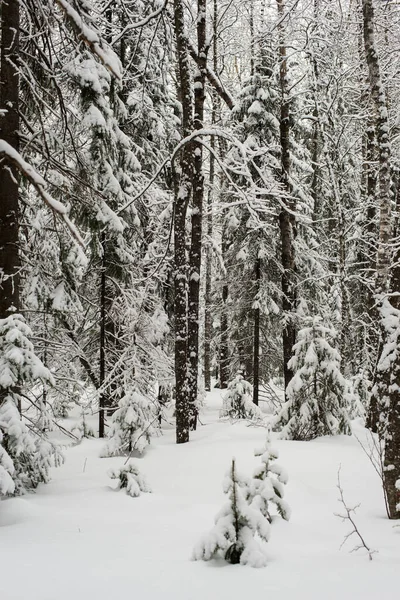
{"points": [[348, 516]]}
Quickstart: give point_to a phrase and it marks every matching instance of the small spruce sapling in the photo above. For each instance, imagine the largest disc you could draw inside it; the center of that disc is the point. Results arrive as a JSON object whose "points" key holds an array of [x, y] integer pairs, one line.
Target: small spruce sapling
{"points": [[82, 429], [267, 485], [132, 425], [238, 400], [235, 527], [7, 485], [317, 392], [26, 446], [130, 478]]}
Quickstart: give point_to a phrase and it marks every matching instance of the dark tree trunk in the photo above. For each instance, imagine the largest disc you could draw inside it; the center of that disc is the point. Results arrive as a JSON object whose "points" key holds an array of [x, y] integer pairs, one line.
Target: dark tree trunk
{"points": [[102, 357], [183, 176], [388, 396], [256, 339], [224, 342], [9, 195], [287, 223], [197, 214], [208, 265]]}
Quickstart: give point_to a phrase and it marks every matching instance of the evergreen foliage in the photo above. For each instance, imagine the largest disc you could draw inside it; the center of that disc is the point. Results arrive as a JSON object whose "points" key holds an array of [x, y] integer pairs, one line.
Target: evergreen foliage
{"points": [[316, 395], [26, 455], [132, 425], [235, 528], [267, 484], [130, 478], [238, 400]]}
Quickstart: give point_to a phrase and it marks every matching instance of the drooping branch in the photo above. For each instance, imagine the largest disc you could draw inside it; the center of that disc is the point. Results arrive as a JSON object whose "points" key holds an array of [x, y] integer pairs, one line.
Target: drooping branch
{"points": [[103, 52], [40, 186]]}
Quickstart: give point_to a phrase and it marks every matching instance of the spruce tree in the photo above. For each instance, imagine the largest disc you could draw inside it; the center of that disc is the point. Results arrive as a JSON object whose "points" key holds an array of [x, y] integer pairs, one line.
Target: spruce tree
{"points": [[132, 424], [267, 484], [130, 478], [238, 400], [316, 395], [26, 454], [235, 527]]}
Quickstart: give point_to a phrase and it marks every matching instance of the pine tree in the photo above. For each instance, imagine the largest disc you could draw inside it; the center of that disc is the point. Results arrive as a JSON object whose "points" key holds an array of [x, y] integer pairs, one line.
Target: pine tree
{"points": [[132, 425], [31, 455], [235, 527], [267, 485], [317, 391], [7, 485], [130, 478], [238, 400]]}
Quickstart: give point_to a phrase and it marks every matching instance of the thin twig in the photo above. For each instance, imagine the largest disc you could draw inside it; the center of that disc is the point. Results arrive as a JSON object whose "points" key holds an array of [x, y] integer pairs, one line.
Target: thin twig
{"points": [[348, 516]]}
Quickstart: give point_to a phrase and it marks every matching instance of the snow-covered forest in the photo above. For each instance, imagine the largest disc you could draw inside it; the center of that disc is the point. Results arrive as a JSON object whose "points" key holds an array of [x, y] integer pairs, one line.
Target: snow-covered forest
{"points": [[199, 299]]}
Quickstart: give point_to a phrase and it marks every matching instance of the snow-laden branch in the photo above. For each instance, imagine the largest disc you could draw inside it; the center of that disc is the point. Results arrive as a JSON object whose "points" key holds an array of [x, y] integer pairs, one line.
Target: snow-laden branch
{"points": [[243, 151], [213, 80], [141, 23], [40, 185], [103, 52]]}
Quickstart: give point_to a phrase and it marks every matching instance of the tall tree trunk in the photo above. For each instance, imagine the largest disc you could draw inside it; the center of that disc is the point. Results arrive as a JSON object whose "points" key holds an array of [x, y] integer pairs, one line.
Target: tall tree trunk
{"points": [[208, 262], [183, 175], [224, 341], [208, 268], [102, 348], [9, 195], [197, 214], [287, 223], [256, 338], [388, 393]]}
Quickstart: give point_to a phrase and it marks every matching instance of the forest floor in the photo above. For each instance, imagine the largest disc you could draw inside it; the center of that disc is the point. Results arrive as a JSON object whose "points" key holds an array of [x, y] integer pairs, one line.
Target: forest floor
{"points": [[78, 538]]}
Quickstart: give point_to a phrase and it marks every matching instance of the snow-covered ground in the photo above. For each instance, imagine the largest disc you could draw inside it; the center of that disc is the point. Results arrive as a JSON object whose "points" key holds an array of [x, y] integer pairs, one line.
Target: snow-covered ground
{"points": [[77, 538]]}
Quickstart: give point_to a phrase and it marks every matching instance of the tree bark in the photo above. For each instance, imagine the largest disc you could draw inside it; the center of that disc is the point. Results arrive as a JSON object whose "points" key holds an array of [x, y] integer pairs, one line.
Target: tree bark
{"points": [[183, 175], [256, 339], [9, 194], [197, 214], [208, 265], [387, 279], [287, 222]]}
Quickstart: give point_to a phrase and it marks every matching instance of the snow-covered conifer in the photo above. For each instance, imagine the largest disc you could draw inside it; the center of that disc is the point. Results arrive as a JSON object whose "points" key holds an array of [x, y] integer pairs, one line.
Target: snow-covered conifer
{"points": [[27, 449], [130, 478], [238, 400], [233, 535], [82, 428], [267, 485], [7, 485], [316, 394], [132, 424]]}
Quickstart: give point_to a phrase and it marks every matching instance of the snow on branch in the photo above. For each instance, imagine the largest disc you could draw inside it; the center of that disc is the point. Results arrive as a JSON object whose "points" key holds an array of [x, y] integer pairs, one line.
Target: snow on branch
{"points": [[40, 185], [141, 23], [103, 52]]}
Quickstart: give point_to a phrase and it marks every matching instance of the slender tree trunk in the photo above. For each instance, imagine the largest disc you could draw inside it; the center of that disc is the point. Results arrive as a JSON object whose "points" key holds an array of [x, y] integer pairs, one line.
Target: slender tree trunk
{"points": [[9, 195], [287, 223], [183, 176], [102, 348], [208, 290], [208, 265], [197, 214], [224, 342], [388, 396], [256, 340]]}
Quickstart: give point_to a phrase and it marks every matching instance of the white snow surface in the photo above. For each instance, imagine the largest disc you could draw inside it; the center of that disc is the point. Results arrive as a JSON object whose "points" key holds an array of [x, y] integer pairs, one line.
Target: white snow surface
{"points": [[79, 538]]}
